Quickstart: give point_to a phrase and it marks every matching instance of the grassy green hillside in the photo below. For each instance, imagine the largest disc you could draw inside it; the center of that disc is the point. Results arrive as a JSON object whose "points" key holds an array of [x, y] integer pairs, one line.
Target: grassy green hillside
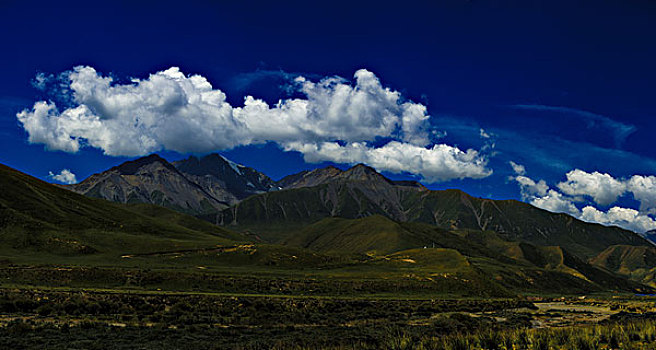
{"points": [[41, 222], [481, 255], [375, 233], [437, 259]]}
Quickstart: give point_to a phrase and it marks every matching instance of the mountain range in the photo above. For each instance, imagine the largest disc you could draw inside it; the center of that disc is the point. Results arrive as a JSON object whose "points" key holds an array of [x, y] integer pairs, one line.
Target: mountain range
{"points": [[223, 192], [317, 216], [218, 190]]}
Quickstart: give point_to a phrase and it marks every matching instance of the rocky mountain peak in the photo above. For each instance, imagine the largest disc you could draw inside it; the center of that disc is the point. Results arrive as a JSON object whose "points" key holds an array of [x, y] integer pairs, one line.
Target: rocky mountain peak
{"points": [[361, 172], [211, 164], [361, 167], [357, 173], [132, 167], [327, 171], [309, 178]]}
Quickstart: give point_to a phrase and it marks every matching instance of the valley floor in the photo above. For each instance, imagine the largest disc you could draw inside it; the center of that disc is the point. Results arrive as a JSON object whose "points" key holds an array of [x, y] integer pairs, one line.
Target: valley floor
{"points": [[52, 316]]}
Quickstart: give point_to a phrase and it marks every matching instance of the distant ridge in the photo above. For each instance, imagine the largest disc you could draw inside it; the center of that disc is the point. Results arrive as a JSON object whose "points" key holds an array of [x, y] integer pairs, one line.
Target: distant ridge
{"points": [[359, 172], [651, 236], [309, 178]]}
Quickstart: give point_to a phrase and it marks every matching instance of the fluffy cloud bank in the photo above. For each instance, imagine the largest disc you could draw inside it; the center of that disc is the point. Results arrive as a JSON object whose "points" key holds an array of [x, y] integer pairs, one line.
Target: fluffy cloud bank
{"points": [[335, 121], [554, 201], [529, 188], [643, 189], [603, 189], [617, 216], [65, 176]]}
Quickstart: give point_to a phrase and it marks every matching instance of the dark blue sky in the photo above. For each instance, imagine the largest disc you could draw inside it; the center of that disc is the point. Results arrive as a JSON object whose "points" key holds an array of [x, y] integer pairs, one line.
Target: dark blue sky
{"points": [[558, 85]]}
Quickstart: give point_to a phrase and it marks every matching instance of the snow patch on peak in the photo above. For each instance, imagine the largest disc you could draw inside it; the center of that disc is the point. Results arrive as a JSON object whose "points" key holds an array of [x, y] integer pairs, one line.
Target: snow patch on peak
{"points": [[233, 165]]}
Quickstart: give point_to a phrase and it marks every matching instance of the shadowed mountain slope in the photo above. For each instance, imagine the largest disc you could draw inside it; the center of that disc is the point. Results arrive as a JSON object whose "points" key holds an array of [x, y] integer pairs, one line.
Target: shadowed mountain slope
{"points": [[223, 178], [637, 262]]}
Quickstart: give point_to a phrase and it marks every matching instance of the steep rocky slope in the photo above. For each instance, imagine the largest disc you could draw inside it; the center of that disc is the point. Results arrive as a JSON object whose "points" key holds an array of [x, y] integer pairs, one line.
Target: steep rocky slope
{"points": [[224, 179]]}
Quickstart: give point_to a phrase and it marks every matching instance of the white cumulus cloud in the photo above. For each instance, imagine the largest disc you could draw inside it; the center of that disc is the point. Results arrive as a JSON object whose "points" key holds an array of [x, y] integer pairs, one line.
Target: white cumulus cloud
{"points": [[643, 189], [555, 202], [529, 188], [173, 111], [623, 217], [603, 188], [65, 176]]}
